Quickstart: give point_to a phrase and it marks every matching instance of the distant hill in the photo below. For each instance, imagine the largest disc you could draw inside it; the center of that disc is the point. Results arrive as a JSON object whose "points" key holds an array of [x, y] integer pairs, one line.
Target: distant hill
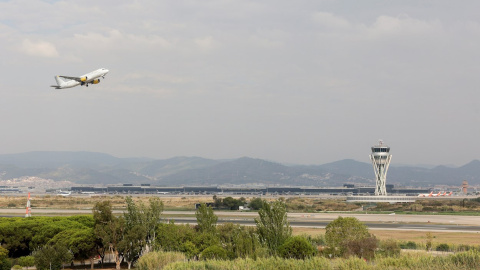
{"points": [[94, 168]]}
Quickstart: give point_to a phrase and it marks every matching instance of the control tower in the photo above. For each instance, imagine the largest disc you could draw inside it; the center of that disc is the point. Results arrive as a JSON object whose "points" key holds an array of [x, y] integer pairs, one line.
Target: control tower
{"points": [[380, 158]]}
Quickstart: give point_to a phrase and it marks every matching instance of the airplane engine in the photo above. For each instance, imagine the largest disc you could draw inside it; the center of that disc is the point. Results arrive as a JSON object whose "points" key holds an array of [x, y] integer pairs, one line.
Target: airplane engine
{"points": [[95, 81], [83, 79]]}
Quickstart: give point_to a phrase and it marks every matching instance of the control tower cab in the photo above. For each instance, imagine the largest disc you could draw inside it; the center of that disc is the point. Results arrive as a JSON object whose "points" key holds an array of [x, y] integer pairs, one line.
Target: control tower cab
{"points": [[380, 158]]}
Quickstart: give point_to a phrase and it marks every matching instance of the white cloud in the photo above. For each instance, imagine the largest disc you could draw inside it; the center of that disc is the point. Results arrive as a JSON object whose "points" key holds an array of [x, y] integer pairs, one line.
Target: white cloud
{"points": [[39, 48], [330, 20], [205, 43], [403, 25]]}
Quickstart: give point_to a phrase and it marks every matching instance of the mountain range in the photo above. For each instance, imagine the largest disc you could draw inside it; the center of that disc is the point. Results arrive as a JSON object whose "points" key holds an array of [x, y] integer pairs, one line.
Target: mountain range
{"points": [[99, 168]]}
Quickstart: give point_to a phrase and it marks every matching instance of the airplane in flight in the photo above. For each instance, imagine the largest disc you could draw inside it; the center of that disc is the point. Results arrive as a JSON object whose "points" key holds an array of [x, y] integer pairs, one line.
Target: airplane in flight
{"points": [[89, 78]]}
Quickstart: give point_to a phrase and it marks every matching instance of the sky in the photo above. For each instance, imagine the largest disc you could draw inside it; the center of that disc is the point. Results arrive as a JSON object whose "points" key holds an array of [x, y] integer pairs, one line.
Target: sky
{"points": [[298, 82]]}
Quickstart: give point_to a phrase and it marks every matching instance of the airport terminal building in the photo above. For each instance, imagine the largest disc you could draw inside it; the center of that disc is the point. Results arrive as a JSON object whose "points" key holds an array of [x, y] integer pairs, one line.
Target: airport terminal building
{"points": [[346, 190]]}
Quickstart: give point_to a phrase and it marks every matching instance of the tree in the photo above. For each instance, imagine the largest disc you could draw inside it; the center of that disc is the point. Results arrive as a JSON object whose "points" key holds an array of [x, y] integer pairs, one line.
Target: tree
{"points": [[214, 252], [256, 203], [109, 229], [272, 225], [5, 264], [239, 241], [342, 232], [233, 204], [171, 237], [429, 242], [297, 247], [133, 243], [26, 261], [52, 257], [82, 243], [206, 219], [141, 223]]}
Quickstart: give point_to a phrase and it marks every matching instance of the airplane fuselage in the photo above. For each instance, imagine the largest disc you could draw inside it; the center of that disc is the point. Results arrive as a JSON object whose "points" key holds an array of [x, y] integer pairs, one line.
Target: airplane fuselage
{"points": [[89, 78]]}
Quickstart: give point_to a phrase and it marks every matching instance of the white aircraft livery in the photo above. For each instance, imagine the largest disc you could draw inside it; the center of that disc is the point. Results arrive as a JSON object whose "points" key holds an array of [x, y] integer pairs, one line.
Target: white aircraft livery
{"points": [[68, 81]]}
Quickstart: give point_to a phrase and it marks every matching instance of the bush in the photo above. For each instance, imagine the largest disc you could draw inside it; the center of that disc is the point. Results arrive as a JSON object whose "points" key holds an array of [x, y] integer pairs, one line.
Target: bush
{"points": [[318, 240], [5, 264], [26, 261], [469, 259], [362, 248], [214, 252], [297, 247], [442, 247], [408, 245], [348, 234], [389, 248], [256, 203], [157, 260]]}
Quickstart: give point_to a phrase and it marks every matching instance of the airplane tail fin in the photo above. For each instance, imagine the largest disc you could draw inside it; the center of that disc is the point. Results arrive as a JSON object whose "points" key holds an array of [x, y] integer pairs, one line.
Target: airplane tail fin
{"points": [[59, 80]]}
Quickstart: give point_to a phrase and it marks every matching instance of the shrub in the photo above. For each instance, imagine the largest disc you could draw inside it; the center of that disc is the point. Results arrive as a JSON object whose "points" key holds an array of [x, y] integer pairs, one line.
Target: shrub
{"points": [[157, 260], [318, 240], [442, 247], [256, 203], [362, 248], [408, 245], [463, 247], [389, 248], [297, 247], [26, 261], [348, 233], [469, 259], [214, 252]]}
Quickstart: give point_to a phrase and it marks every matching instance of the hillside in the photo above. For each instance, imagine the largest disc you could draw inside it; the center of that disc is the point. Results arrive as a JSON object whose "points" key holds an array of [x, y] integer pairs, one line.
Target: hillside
{"points": [[94, 168]]}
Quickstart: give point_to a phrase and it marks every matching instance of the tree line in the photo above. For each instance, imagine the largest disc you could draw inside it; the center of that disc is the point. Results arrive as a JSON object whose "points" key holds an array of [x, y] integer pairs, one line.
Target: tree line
{"points": [[50, 242]]}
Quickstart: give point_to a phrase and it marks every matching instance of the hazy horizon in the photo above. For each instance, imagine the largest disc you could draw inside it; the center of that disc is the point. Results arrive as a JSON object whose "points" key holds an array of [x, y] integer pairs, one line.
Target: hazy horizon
{"points": [[307, 82], [427, 166]]}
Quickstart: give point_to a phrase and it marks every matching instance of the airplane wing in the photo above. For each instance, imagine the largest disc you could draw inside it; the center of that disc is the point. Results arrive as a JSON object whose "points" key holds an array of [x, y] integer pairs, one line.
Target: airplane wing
{"points": [[78, 79]]}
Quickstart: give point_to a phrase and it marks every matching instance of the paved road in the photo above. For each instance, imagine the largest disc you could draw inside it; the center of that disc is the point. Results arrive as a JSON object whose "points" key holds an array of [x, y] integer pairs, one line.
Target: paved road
{"points": [[371, 225], [318, 220]]}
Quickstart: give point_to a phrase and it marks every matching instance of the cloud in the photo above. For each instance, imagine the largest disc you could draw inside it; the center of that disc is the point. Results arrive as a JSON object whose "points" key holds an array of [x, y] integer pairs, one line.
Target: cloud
{"points": [[205, 43], [329, 20], [39, 48], [403, 25]]}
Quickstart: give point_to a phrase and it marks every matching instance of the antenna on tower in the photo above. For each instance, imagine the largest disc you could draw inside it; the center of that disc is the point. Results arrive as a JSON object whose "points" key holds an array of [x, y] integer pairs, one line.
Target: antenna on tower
{"points": [[28, 210]]}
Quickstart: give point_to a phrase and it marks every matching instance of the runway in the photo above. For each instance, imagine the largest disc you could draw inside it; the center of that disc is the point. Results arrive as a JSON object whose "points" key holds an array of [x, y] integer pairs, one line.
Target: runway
{"points": [[445, 223], [370, 225]]}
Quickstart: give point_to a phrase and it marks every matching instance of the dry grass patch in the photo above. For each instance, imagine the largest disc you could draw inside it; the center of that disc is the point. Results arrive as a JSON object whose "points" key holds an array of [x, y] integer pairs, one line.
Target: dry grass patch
{"points": [[87, 202], [455, 238]]}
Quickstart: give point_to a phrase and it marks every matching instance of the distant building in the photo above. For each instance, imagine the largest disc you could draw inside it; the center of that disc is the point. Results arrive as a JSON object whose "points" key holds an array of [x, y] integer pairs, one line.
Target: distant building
{"points": [[465, 187]]}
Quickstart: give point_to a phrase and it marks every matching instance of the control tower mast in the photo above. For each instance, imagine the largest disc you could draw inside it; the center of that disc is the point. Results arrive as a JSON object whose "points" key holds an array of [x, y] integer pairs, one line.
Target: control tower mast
{"points": [[380, 158], [28, 209]]}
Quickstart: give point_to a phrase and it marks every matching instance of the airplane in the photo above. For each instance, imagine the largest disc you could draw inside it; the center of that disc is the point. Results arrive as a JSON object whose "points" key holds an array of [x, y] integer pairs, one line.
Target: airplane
{"points": [[91, 77], [439, 194], [426, 195], [64, 193]]}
